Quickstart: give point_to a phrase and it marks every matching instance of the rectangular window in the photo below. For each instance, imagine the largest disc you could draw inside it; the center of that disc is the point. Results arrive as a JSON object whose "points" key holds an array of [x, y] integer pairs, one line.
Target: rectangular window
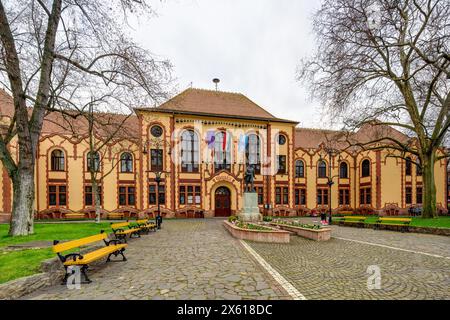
{"points": [[127, 195], [260, 191], [300, 197], [419, 195], [190, 195], [89, 197], [408, 195], [57, 195], [281, 164], [344, 197], [282, 195], [322, 197], [156, 159], [152, 194], [365, 196]]}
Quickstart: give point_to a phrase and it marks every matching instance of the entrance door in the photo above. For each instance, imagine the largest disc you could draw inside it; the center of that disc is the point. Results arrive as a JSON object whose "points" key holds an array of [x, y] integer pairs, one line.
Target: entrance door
{"points": [[223, 202]]}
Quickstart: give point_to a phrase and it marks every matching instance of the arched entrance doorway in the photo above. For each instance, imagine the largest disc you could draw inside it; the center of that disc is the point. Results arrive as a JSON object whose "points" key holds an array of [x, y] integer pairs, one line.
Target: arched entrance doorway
{"points": [[223, 202]]}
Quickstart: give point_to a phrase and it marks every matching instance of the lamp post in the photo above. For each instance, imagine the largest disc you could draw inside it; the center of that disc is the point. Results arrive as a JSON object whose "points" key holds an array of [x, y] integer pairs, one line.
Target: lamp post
{"points": [[156, 143], [331, 152]]}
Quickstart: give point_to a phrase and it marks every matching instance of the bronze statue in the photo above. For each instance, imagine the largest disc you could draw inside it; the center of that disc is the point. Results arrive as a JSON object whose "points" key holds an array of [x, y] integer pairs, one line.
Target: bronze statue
{"points": [[249, 179]]}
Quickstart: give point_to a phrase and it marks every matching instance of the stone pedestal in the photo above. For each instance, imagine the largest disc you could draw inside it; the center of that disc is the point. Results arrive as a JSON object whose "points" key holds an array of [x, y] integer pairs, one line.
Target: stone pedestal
{"points": [[250, 212]]}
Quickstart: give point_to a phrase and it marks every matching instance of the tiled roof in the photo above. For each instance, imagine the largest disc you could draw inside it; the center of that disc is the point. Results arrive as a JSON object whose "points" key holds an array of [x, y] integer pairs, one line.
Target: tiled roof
{"points": [[215, 103], [57, 123], [307, 138]]}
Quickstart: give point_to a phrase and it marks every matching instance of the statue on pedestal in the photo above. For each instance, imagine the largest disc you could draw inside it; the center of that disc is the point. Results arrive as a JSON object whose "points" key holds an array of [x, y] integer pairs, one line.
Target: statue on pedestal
{"points": [[249, 179]]}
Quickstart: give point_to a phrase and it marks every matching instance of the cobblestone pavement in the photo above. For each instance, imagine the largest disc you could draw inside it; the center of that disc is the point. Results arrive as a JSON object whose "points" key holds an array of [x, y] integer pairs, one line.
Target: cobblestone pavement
{"points": [[428, 243], [187, 259], [337, 269]]}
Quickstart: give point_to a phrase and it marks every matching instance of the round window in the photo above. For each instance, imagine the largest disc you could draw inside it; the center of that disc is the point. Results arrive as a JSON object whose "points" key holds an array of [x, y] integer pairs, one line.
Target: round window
{"points": [[156, 131], [281, 139]]}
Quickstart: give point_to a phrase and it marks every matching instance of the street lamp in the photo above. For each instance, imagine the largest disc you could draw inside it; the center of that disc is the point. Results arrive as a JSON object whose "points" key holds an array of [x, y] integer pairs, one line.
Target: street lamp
{"points": [[331, 152], [156, 143]]}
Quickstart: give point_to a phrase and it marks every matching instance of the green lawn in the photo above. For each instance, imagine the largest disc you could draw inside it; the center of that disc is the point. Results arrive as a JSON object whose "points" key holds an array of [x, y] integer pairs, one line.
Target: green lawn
{"points": [[16, 264], [441, 222], [54, 231]]}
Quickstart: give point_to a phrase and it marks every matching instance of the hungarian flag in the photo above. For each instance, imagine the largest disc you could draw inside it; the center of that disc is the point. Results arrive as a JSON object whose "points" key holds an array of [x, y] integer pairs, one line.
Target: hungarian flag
{"points": [[226, 142]]}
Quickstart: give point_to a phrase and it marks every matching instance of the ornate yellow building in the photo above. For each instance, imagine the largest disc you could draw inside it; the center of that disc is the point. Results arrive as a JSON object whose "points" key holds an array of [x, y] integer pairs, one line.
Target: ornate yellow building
{"points": [[200, 142]]}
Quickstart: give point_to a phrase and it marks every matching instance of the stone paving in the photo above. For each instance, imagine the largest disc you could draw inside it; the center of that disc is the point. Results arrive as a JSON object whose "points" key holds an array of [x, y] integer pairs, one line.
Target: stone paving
{"points": [[187, 259], [337, 269], [198, 259]]}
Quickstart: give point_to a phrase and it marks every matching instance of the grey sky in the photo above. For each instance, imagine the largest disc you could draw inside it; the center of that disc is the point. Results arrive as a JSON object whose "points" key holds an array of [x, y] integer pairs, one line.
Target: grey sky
{"points": [[253, 46]]}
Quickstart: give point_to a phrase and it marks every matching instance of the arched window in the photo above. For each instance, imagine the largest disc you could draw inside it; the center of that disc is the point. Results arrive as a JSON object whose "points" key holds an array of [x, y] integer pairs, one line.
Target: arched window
{"points": [[408, 166], [57, 160], [365, 168], [222, 150], [299, 169], [322, 169], [343, 170], [189, 151], [126, 162], [93, 162], [253, 152]]}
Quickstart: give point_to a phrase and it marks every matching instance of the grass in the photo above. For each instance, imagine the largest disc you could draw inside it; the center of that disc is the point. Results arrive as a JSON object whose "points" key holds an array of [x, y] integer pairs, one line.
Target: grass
{"points": [[17, 264], [21, 263], [441, 222], [54, 231]]}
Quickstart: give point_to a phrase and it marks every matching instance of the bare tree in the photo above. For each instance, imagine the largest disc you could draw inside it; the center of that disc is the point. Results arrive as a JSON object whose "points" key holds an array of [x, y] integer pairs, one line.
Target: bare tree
{"points": [[53, 53], [387, 62], [103, 131]]}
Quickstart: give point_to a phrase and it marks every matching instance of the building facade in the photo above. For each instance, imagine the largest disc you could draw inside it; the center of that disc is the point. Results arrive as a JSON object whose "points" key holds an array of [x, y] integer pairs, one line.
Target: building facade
{"points": [[200, 143]]}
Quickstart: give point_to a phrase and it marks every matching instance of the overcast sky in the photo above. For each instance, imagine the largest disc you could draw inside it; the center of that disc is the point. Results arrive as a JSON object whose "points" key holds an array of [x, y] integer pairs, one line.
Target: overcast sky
{"points": [[252, 46]]}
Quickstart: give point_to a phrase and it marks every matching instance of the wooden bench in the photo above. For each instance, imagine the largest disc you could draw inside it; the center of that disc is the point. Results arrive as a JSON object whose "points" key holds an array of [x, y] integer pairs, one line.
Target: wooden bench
{"points": [[145, 225], [113, 247], [75, 215], [403, 223], [122, 229], [359, 220], [115, 215]]}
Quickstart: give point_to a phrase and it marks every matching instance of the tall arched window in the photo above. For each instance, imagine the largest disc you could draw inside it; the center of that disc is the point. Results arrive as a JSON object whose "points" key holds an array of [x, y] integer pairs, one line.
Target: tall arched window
{"points": [[93, 162], [57, 160], [365, 168], [222, 150], [253, 152], [343, 170], [189, 151], [299, 169], [408, 166], [126, 162], [322, 169]]}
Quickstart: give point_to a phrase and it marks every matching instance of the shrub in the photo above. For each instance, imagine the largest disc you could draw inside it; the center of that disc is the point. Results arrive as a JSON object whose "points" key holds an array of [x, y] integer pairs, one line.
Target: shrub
{"points": [[232, 219], [267, 218]]}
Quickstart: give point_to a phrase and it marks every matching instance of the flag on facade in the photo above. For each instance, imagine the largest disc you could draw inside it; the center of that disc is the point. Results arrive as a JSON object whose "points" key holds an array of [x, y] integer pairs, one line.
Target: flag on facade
{"points": [[210, 138], [243, 141]]}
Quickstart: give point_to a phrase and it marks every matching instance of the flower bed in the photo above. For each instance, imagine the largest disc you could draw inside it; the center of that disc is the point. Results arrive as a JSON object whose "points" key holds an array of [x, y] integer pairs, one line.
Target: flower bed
{"points": [[258, 233], [309, 231]]}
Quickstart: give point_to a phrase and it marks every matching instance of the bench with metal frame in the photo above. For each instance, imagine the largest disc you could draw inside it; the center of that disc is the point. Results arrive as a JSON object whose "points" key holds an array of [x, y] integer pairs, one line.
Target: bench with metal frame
{"points": [[122, 229], [358, 220], [403, 223], [113, 247], [145, 224]]}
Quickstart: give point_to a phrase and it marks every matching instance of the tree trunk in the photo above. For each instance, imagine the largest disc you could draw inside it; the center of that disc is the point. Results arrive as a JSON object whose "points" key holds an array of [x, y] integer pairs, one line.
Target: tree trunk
{"points": [[429, 186], [98, 212], [23, 203]]}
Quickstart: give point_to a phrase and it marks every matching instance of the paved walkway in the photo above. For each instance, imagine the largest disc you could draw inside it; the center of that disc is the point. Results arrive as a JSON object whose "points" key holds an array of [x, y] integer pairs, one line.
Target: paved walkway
{"points": [[198, 259], [337, 269], [187, 259]]}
